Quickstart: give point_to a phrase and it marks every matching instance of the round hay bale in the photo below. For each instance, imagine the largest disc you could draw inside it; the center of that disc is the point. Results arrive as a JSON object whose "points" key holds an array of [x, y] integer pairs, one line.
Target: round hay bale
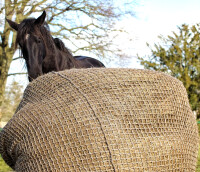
{"points": [[102, 120]]}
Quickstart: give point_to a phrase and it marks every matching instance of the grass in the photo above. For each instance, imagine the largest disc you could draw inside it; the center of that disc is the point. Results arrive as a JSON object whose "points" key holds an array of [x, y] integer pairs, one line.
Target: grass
{"points": [[198, 163], [5, 168]]}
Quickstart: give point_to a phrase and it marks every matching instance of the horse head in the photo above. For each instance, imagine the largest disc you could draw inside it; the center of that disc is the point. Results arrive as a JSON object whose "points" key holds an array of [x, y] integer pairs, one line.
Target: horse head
{"points": [[30, 38]]}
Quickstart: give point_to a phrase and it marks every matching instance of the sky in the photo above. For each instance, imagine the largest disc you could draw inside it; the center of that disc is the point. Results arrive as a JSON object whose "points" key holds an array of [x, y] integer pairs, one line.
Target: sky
{"points": [[152, 18]]}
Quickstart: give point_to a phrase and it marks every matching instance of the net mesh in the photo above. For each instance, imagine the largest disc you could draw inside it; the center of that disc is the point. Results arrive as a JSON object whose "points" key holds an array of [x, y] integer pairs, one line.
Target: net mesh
{"points": [[102, 120]]}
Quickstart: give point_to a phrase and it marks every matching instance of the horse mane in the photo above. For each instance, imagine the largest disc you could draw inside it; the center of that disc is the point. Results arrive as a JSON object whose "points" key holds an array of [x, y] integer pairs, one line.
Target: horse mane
{"points": [[61, 46], [27, 26], [23, 30]]}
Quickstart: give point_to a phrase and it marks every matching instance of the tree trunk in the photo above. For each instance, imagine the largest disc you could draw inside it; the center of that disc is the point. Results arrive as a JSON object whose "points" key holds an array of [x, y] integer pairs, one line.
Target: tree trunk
{"points": [[6, 55]]}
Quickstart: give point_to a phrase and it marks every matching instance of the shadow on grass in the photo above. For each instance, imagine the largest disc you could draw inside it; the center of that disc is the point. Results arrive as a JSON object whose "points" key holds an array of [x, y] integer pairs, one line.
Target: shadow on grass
{"points": [[3, 166]]}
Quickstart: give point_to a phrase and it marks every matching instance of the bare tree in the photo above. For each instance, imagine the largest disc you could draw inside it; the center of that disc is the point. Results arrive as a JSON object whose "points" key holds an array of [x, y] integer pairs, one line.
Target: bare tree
{"points": [[88, 22]]}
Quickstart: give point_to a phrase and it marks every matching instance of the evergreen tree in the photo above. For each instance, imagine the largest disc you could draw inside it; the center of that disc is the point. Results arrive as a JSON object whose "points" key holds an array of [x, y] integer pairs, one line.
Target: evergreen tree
{"points": [[179, 55]]}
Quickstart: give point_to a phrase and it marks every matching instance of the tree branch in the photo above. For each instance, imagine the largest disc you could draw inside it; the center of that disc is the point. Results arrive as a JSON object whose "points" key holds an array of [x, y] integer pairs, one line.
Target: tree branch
{"points": [[17, 58], [11, 74]]}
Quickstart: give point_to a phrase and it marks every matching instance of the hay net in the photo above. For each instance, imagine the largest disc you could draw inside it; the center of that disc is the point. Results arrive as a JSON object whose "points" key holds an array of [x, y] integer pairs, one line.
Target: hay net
{"points": [[102, 120]]}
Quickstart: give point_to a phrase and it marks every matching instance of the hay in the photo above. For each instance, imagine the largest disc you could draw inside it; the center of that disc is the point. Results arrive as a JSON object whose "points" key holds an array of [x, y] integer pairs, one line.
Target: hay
{"points": [[102, 120]]}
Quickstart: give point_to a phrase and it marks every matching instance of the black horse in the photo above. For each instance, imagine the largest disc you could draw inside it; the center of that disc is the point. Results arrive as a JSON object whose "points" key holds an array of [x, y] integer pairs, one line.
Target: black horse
{"points": [[42, 52]]}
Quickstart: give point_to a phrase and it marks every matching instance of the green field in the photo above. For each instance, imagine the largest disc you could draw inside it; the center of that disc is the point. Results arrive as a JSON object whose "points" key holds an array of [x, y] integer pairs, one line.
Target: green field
{"points": [[5, 168]]}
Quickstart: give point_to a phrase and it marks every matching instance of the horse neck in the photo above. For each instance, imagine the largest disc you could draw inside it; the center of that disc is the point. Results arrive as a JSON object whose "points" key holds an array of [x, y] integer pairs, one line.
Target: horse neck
{"points": [[65, 59], [69, 60], [60, 57]]}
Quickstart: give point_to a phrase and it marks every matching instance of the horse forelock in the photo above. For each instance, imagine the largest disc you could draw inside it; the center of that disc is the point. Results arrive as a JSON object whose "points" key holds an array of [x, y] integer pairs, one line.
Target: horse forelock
{"points": [[47, 38], [27, 26], [23, 29]]}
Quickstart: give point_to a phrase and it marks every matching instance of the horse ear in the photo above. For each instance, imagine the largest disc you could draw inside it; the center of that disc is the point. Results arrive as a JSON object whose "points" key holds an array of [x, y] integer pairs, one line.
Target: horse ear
{"points": [[13, 24], [40, 20]]}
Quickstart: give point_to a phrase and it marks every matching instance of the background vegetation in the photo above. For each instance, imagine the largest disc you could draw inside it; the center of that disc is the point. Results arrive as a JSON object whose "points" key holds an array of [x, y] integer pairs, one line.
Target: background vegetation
{"points": [[12, 97], [179, 55]]}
